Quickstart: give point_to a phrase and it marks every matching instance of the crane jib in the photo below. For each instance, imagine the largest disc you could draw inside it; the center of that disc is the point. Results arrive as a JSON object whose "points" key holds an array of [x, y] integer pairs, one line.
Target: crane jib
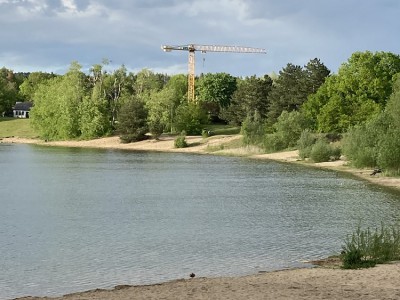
{"points": [[192, 48], [213, 48]]}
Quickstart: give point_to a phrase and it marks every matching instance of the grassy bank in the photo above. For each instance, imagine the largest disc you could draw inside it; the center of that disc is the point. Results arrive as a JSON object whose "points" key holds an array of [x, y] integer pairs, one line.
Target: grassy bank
{"points": [[10, 127]]}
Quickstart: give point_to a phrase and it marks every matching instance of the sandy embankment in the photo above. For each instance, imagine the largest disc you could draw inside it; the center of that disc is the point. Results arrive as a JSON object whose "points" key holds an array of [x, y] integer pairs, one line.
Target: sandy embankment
{"points": [[381, 282], [164, 144]]}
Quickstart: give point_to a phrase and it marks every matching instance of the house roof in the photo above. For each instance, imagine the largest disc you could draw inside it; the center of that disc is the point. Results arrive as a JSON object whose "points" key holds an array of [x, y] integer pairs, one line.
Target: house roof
{"points": [[23, 106]]}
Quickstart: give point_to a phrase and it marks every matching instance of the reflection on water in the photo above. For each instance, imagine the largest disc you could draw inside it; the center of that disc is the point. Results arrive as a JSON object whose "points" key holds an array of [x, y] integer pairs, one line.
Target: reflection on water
{"points": [[76, 219]]}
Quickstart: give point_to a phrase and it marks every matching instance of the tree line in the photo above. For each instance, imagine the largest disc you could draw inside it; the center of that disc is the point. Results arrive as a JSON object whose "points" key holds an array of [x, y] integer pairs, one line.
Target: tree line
{"points": [[302, 106]]}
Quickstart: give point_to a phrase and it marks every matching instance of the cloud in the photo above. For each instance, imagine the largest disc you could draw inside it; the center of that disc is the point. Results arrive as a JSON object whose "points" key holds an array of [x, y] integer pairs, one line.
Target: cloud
{"points": [[49, 33]]}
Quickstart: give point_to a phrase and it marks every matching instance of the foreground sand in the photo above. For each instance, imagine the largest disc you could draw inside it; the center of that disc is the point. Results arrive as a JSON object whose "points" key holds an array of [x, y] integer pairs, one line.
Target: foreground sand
{"points": [[381, 282]]}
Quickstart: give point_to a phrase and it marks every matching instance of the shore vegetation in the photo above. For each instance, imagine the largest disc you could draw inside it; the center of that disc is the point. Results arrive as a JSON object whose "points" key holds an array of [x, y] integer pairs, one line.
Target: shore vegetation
{"points": [[368, 247]]}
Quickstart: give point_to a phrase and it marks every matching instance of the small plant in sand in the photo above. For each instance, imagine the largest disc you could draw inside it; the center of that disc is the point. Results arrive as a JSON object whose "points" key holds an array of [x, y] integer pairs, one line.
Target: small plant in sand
{"points": [[180, 140]]}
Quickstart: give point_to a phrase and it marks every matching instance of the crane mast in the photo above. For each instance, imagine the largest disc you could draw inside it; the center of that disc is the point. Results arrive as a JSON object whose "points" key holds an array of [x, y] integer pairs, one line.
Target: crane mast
{"points": [[192, 48]]}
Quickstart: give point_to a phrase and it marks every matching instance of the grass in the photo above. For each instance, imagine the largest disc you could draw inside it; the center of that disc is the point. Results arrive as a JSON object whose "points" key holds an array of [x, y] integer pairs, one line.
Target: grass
{"points": [[237, 147], [218, 129], [16, 127]]}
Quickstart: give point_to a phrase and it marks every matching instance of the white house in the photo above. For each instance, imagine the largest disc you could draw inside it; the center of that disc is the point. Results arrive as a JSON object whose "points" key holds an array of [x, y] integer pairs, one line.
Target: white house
{"points": [[21, 109]]}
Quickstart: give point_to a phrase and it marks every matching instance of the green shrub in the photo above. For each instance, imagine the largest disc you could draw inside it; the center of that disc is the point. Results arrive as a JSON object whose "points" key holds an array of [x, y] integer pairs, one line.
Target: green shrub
{"points": [[389, 153], [252, 130], [361, 144], [133, 137], [290, 125], [156, 128], [274, 142], [336, 153], [132, 121], [189, 118], [206, 133], [321, 151], [357, 149], [180, 141], [333, 137], [305, 143], [366, 248], [354, 260]]}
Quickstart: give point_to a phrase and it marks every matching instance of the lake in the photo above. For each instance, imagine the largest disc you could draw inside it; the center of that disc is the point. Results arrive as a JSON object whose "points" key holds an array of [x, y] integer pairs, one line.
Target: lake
{"points": [[79, 219]]}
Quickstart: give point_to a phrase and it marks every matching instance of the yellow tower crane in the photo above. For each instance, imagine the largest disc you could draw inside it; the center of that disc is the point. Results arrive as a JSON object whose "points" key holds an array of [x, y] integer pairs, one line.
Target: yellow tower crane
{"points": [[192, 48]]}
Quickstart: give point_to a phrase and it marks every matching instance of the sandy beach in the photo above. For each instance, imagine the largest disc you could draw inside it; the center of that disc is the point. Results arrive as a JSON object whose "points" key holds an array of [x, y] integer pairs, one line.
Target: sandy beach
{"points": [[380, 282], [321, 282]]}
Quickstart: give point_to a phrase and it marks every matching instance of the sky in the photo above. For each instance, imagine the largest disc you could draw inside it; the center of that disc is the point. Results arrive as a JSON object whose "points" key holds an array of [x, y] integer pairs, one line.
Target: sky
{"points": [[47, 35]]}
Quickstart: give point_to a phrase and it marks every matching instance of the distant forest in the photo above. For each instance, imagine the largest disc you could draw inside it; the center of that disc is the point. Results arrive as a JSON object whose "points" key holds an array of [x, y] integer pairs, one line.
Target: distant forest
{"points": [[304, 107]]}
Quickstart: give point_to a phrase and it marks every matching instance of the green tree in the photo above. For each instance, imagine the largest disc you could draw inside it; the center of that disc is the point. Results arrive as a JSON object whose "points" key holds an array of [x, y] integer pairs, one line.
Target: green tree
{"points": [[99, 109], [95, 121], [189, 118], [288, 92], [358, 93], [30, 84], [132, 121], [251, 96], [162, 104], [214, 91], [56, 114], [393, 105], [317, 101], [147, 82], [294, 85], [316, 74], [8, 91], [113, 86]]}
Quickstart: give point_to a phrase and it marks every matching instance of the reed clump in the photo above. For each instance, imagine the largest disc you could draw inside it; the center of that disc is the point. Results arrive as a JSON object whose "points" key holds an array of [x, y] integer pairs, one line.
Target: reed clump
{"points": [[366, 247]]}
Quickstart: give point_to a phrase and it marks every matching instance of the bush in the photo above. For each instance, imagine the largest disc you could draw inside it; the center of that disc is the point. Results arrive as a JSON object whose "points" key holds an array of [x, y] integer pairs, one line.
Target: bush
{"points": [[321, 151], [132, 123], [156, 128], [206, 133], [189, 118], [274, 142], [252, 130], [366, 248], [357, 149], [290, 125], [336, 153], [389, 153], [180, 141], [305, 143], [361, 144], [354, 260], [133, 137], [333, 137]]}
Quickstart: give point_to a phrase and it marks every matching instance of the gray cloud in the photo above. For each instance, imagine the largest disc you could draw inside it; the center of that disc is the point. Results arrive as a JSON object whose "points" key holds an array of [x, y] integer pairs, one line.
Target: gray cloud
{"points": [[47, 34]]}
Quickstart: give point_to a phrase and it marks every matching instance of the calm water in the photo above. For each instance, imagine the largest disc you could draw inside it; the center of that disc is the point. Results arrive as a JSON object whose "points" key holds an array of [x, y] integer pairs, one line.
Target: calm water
{"points": [[75, 219]]}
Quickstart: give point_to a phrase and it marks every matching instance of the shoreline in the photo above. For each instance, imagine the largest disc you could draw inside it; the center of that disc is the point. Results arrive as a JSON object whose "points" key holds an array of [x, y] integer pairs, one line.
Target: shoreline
{"points": [[213, 146], [321, 282], [380, 282]]}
